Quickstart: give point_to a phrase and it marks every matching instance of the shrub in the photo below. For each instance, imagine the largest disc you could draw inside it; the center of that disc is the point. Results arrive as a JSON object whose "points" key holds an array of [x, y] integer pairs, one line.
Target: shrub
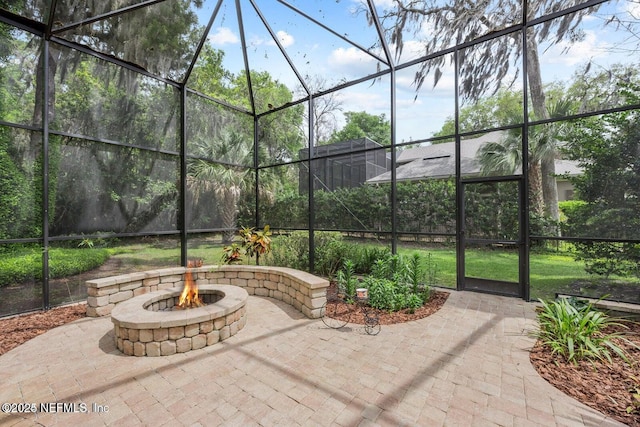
{"points": [[414, 302], [382, 293], [570, 210], [331, 251], [291, 250], [575, 332], [391, 268], [24, 264], [254, 243], [366, 256], [66, 262], [396, 283], [607, 258]]}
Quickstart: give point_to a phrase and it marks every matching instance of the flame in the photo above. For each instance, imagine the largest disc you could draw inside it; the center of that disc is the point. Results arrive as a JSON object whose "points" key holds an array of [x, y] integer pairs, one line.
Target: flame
{"points": [[189, 297]]}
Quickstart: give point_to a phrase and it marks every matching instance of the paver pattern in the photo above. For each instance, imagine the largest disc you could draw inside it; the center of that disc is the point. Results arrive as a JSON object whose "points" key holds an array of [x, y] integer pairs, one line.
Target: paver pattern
{"points": [[466, 365]]}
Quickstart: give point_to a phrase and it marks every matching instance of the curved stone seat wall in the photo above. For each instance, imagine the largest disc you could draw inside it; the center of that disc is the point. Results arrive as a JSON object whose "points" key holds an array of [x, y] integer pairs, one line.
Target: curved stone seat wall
{"points": [[302, 290]]}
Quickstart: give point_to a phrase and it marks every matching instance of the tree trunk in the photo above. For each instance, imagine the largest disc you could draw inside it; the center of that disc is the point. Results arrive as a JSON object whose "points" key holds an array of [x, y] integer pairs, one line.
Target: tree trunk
{"points": [[536, 201], [550, 187], [229, 213], [547, 163], [35, 145]]}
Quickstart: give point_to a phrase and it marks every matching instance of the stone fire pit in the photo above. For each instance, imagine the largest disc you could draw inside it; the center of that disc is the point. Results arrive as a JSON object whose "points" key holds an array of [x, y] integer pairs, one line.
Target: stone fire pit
{"points": [[136, 301], [150, 325]]}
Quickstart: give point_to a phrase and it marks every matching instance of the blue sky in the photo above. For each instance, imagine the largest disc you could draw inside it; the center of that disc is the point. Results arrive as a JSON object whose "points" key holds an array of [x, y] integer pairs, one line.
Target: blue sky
{"points": [[317, 52]]}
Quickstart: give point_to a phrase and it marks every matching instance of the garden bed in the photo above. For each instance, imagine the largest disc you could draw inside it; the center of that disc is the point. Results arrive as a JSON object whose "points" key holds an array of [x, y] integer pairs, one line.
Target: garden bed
{"points": [[437, 300], [604, 387]]}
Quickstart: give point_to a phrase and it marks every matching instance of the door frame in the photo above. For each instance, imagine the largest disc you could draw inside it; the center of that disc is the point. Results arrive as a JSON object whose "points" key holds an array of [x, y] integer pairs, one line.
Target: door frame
{"points": [[520, 289]]}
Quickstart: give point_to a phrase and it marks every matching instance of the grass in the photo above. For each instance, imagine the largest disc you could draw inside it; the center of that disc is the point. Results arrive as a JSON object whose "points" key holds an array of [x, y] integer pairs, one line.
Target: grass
{"points": [[554, 272], [444, 260], [550, 272], [492, 264]]}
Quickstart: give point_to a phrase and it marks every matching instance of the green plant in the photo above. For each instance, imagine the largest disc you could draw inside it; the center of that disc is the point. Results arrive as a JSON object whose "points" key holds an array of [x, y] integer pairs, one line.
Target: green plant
{"points": [[291, 250], [24, 263], [254, 243], [399, 283], [232, 254], [635, 397], [576, 333], [382, 293], [399, 300], [415, 272], [391, 268], [347, 280], [366, 256], [414, 302], [330, 252], [85, 243], [607, 258]]}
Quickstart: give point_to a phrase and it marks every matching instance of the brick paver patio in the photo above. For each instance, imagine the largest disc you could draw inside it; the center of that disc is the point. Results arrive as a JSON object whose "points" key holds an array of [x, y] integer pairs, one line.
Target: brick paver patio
{"points": [[466, 365]]}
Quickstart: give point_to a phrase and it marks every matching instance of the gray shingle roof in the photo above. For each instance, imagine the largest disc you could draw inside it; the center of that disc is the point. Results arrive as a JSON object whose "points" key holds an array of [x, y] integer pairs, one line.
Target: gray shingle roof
{"points": [[438, 161]]}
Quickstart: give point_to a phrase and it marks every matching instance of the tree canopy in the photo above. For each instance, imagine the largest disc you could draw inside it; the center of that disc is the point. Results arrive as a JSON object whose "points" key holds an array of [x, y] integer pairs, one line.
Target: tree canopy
{"points": [[362, 124]]}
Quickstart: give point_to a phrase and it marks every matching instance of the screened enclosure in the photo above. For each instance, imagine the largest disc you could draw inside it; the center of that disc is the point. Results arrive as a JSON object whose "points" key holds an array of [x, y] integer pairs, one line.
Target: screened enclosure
{"points": [[499, 139]]}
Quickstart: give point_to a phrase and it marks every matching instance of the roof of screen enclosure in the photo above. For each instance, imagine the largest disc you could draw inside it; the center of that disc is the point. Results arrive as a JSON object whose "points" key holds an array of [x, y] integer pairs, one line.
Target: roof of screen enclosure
{"points": [[277, 36]]}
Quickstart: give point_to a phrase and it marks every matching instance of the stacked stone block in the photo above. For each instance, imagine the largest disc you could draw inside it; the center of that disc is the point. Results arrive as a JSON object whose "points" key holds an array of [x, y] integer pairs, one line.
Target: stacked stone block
{"points": [[304, 291], [178, 339]]}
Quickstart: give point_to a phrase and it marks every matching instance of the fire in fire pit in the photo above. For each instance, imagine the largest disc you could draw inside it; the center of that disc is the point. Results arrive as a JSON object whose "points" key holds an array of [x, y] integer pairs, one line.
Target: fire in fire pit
{"points": [[189, 297]]}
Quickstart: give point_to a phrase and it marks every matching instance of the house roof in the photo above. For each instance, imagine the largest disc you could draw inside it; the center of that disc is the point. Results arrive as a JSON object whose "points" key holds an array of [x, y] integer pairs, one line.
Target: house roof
{"points": [[438, 161], [568, 168]]}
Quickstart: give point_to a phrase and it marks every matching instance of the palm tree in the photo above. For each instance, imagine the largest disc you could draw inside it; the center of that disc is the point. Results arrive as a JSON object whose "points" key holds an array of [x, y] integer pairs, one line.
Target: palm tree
{"points": [[505, 157], [215, 169]]}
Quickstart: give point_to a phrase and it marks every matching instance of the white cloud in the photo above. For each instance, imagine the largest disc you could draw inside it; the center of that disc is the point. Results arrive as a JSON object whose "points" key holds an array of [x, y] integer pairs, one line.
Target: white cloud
{"points": [[405, 82], [284, 38], [341, 56], [222, 36], [351, 61], [411, 49], [371, 102], [255, 41], [571, 54]]}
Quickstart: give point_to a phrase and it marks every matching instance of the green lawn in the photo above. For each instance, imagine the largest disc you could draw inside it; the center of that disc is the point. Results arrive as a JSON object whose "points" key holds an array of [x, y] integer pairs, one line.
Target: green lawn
{"points": [[550, 272], [554, 272]]}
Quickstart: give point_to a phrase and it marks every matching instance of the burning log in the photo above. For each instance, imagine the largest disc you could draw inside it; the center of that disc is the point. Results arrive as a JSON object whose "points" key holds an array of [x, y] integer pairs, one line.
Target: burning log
{"points": [[189, 297]]}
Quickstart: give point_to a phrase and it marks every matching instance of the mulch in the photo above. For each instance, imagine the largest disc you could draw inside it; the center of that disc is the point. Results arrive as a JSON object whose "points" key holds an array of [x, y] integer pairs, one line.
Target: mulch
{"points": [[19, 329], [437, 300], [605, 387]]}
